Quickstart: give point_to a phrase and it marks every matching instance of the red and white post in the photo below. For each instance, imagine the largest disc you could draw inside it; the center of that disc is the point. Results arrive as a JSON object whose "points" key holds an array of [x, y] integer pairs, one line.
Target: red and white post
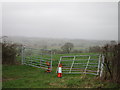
{"points": [[59, 74]]}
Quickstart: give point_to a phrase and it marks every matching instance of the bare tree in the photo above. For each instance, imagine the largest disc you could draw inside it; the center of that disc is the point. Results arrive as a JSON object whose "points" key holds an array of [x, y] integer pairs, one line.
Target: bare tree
{"points": [[67, 47]]}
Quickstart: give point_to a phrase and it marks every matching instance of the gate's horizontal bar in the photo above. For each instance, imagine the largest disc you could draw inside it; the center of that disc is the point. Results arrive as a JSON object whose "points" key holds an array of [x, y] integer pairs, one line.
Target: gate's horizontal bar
{"points": [[66, 56], [78, 73], [84, 59], [73, 68], [85, 63], [86, 55], [90, 71], [36, 59], [43, 67], [34, 62], [80, 55], [90, 66], [93, 63], [37, 66], [80, 63], [66, 60], [79, 59], [34, 65], [93, 59], [43, 63], [42, 60], [75, 56], [73, 73], [66, 66]]}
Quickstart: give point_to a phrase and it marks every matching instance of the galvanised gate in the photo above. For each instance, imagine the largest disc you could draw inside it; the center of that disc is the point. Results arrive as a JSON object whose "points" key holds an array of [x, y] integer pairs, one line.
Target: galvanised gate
{"points": [[82, 64], [39, 58]]}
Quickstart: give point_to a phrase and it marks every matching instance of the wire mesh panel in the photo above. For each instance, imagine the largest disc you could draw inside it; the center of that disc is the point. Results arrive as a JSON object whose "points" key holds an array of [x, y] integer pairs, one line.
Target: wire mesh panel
{"points": [[40, 58], [86, 64]]}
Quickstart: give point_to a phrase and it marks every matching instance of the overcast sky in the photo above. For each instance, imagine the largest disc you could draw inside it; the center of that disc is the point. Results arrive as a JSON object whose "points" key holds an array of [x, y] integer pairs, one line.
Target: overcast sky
{"points": [[88, 20]]}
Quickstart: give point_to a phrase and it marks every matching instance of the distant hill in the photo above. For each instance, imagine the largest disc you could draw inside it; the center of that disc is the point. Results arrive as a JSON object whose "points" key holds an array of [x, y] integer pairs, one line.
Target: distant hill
{"points": [[53, 43]]}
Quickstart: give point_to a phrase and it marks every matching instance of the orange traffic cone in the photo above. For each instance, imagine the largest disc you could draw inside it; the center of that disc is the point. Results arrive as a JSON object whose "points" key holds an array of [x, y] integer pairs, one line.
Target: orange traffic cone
{"points": [[49, 69], [59, 74]]}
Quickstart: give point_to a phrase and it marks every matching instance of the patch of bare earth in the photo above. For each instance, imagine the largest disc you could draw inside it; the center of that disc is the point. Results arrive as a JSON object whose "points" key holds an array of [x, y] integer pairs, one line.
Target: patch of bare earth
{"points": [[8, 79]]}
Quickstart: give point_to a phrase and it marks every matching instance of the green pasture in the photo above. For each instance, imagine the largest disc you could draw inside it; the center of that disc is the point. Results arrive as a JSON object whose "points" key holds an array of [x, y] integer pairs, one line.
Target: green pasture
{"points": [[23, 76]]}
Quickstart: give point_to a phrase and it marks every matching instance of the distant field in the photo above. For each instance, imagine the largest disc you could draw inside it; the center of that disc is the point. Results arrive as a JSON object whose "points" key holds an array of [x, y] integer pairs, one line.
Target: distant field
{"points": [[53, 43], [22, 76]]}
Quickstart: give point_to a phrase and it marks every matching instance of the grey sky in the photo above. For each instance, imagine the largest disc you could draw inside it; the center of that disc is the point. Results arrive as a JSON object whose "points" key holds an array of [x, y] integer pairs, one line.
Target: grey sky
{"points": [[61, 20]]}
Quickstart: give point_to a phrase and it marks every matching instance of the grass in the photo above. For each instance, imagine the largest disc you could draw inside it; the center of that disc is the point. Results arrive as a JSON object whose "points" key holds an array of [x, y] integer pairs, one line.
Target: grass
{"points": [[22, 76]]}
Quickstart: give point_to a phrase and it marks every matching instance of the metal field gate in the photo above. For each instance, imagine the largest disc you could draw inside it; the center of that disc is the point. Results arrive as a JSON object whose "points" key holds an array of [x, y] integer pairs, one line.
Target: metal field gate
{"points": [[37, 57], [78, 64]]}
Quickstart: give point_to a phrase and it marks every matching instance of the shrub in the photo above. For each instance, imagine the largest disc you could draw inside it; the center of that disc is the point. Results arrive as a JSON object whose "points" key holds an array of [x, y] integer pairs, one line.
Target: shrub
{"points": [[95, 49], [9, 53], [112, 62]]}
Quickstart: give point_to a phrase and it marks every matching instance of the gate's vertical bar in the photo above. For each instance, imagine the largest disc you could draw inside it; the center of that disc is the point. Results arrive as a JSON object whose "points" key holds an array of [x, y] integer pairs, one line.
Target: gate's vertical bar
{"points": [[72, 64], [87, 65]]}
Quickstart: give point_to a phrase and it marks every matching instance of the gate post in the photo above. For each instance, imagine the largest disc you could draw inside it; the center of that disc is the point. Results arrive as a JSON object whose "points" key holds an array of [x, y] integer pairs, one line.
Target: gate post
{"points": [[102, 62]]}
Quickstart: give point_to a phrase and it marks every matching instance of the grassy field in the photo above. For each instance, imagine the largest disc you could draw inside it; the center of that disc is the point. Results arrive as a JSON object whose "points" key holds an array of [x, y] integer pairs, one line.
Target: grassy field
{"points": [[22, 76]]}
